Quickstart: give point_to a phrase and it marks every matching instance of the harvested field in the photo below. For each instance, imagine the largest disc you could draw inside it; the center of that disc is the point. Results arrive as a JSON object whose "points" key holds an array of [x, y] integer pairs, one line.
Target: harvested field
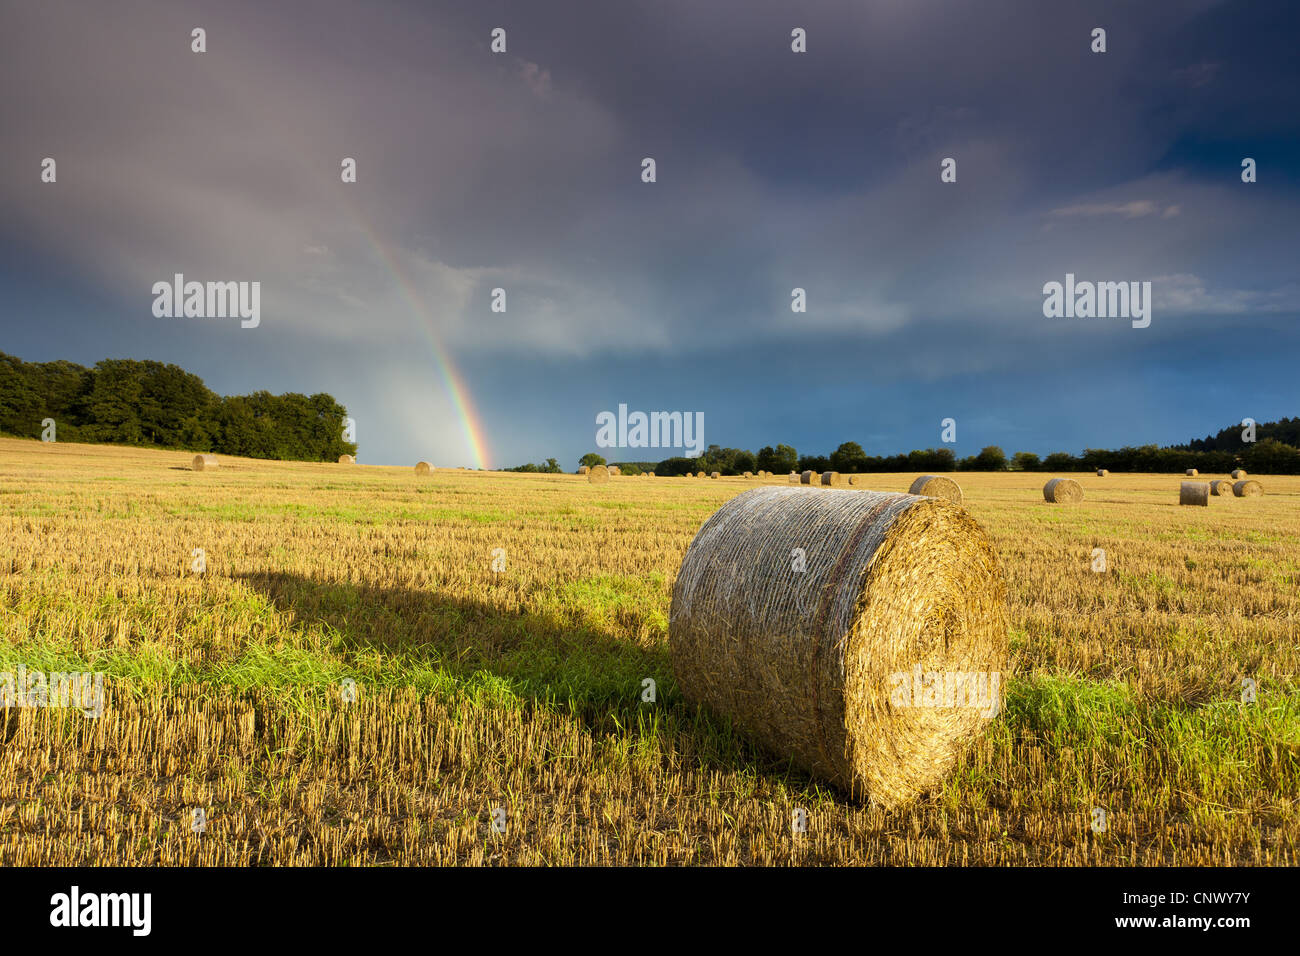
{"points": [[522, 689]]}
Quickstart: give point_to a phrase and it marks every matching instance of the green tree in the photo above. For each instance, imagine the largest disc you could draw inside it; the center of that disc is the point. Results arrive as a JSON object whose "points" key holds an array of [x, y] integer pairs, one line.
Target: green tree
{"points": [[779, 460], [991, 458], [591, 460], [1059, 461], [848, 458], [1024, 461]]}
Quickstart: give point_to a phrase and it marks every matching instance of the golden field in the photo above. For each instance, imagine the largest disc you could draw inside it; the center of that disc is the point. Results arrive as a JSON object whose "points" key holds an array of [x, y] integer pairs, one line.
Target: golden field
{"points": [[519, 689]]}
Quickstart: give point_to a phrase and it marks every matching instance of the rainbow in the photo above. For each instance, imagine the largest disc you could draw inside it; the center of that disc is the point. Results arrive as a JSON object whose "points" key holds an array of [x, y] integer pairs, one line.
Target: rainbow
{"points": [[451, 379]]}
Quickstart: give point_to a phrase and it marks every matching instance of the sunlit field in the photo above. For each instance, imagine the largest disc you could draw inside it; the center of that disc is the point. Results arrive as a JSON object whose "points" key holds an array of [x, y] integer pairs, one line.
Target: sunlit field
{"points": [[499, 628]]}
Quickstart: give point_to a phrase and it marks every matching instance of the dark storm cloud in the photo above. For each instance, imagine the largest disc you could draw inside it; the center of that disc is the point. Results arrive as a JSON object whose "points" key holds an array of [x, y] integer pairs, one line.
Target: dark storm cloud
{"points": [[775, 170]]}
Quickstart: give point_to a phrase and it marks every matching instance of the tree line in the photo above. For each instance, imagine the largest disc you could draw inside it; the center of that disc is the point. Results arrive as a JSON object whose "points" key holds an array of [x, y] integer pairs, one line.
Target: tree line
{"points": [[1276, 451], [145, 403]]}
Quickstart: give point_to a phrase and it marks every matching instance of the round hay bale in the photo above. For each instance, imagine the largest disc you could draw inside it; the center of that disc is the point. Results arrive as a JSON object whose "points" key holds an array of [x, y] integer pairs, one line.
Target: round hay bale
{"points": [[834, 479], [1102, 473], [937, 486], [1192, 473], [598, 475], [794, 478], [1221, 487], [583, 469], [423, 468], [715, 475], [749, 474], [701, 475], [1238, 473], [613, 470], [1248, 488], [1063, 490], [820, 666], [806, 478], [347, 460], [205, 462], [1194, 493]]}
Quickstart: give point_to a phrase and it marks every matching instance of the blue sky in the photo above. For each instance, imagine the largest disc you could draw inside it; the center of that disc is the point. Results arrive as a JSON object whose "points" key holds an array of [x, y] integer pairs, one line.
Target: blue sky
{"points": [[819, 170]]}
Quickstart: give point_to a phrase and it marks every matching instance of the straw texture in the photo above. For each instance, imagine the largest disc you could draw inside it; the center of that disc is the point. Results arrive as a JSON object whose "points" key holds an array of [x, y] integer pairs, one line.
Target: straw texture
{"points": [[1247, 488], [937, 486], [1063, 490], [809, 662]]}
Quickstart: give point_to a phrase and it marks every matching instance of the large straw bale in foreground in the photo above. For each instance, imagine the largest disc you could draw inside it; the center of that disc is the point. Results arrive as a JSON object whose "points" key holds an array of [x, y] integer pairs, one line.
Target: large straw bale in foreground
{"points": [[1248, 488], [1221, 487], [598, 474], [1194, 493], [937, 486], [821, 665], [423, 468], [205, 462], [1060, 490]]}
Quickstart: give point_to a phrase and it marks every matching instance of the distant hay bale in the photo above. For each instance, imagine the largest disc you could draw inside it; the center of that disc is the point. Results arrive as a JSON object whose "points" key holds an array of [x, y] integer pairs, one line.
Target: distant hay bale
{"points": [[614, 470], [937, 486], [583, 469], [834, 479], [347, 460], [1221, 487], [598, 475], [749, 474], [205, 462], [806, 478], [1238, 473], [1248, 488], [1194, 493], [423, 468], [715, 475], [794, 478], [701, 475], [1063, 490], [1192, 472], [1102, 473], [821, 667]]}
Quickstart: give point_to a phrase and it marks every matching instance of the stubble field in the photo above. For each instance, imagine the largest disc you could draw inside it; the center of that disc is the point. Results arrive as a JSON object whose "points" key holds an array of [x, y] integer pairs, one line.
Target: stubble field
{"points": [[514, 695]]}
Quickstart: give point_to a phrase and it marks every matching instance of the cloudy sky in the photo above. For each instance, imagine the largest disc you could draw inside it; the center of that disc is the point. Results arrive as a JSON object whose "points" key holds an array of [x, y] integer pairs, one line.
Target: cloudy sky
{"points": [[523, 170]]}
